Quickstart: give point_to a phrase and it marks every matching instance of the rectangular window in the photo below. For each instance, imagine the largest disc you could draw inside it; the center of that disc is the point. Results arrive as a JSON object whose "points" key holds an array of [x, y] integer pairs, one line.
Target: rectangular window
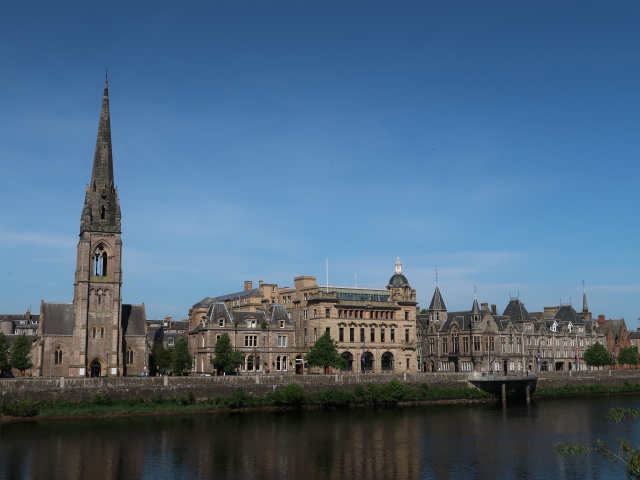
{"points": [[406, 315], [465, 344], [341, 334], [282, 340], [392, 335], [373, 335], [250, 340], [445, 345], [406, 335], [431, 345], [327, 312], [476, 343], [352, 334], [382, 335], [328, 331], [362, 334], [315, 334]]}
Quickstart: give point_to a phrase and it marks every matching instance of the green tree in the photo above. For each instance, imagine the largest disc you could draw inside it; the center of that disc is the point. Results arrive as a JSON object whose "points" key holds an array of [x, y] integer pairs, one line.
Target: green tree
{"points": [[626, 454], [161, 358], [20, 354], [4, 353], [225, 357], [324, 353], [628, 356], [597, 355], [181, 361], [424, 311]]}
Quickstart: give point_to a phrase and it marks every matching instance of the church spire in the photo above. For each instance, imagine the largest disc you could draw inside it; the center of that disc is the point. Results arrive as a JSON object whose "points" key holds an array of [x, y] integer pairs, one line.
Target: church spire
{"points": [[585, 307], [101, 210]]}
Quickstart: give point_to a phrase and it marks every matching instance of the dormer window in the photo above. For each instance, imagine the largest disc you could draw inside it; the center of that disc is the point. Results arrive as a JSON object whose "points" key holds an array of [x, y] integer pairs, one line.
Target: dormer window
{"points": [[221, 322], [251, 323], [281, 323]]}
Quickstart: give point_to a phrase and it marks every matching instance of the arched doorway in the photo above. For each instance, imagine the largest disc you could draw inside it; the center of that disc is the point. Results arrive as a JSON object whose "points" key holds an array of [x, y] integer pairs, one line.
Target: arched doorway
{"points": [[367, 362], [348, 358], [299, 365], [95, 368], [386, 362]]}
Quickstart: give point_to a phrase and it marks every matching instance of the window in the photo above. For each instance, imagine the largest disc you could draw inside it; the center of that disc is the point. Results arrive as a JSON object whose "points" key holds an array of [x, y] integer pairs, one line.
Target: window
{"points": [[476, 343], [362, 334], [373, 334], [315, 334], [432, 345], [129, 356], [251, 340], [382, 334], [341, 334], [221, 322], [406, 315], [281, 323], [455, 343], [251, 323], [328, 331], [406, 335], [171, 342], [327, 312], [57, 356], [445, 345], [94, 331], [281, 363], [305, 313], [101, 332], [352, 334], [282, 340], [465, 344], [392, 335]]}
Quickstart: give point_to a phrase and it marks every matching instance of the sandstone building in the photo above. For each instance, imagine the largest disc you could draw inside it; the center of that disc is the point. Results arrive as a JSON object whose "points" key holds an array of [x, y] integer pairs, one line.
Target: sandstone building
{"points": [[96, 335], [276, 326], [514, 342]]}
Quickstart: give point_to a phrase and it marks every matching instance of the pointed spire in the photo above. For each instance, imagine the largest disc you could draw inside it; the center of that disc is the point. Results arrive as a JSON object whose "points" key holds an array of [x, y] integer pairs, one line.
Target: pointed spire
{"points": [[398, 266], [101, 210], [475, 309], [437, 303], [585, 307]]}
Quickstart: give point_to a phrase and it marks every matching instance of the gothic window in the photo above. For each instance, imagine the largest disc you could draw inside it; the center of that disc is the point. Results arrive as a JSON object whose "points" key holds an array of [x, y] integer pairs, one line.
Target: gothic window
{"points": [[129, 356], [57, 356], [100, 262], [101, 332], [103, 212], [94, 331]]}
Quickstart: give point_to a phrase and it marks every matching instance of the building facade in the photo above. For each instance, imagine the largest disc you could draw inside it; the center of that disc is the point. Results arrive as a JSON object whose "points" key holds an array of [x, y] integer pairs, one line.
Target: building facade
{"points": [[276, 326], [481, 340], [96, 335]]}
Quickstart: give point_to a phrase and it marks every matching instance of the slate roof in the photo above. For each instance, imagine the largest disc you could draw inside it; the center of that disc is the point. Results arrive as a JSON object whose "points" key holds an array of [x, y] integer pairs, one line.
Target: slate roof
{"points": [[279, 312], [437, 303], [566, 313], [58, 318], [133, 320], [398, 280], [516, 311], [206, 302]]}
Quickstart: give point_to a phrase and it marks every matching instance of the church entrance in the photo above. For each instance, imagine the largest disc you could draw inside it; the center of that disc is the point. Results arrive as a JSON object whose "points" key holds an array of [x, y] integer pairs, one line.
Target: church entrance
{"points": [[95, 368]]}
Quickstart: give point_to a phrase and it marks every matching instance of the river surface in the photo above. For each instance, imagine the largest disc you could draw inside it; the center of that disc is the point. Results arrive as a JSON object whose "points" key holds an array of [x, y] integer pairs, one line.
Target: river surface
{"points": [[432, 442]]}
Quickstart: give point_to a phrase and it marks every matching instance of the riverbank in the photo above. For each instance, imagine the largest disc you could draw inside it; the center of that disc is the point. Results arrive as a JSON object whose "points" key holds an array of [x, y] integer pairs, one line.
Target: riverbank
{"points": [[292, 396]]}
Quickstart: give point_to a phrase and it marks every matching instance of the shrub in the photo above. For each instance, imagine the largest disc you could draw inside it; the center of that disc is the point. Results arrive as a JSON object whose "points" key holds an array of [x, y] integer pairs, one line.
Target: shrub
{"points": [[102, 399]]}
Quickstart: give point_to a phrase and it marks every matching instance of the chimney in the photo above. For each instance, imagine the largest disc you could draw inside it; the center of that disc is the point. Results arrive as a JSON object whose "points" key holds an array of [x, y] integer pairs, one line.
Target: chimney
{"points": [[601, 320], [494, 310], [248, 285], [168, 320], [484, 306]]}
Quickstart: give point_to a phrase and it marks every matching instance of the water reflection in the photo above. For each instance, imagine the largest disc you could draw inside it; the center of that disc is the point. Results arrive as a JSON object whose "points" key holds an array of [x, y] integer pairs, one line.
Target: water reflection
{"points": [[437, 442]]}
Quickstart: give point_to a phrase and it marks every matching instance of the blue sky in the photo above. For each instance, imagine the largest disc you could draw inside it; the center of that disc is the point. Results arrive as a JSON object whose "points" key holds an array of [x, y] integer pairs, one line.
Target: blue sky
{"points": [[496, 142]]}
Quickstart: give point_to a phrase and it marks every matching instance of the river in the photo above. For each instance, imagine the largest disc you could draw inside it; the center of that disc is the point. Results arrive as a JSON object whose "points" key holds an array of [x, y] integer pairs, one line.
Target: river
{"points": [[483, 441]]}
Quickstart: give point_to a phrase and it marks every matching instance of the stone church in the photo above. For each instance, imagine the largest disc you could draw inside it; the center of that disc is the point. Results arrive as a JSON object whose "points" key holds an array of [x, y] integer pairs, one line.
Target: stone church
{"points": [[96, 335]]}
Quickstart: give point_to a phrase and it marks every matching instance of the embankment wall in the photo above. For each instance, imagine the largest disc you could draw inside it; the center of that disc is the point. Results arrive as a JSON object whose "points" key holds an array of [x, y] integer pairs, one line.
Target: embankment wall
{"points": [[78, 389]]}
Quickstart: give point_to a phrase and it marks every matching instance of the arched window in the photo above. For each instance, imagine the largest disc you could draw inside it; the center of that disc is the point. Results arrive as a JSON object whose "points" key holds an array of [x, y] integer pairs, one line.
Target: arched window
{"points": [[129, 356], [100, 262], [94, 332], [57, 356], [250, 363], [170, 342], [101, 332], [103, 212]]}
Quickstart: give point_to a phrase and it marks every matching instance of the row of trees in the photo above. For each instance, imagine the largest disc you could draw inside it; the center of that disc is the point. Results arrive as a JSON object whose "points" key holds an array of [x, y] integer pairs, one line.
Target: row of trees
{"points": [[17, 356], [597, 356]]}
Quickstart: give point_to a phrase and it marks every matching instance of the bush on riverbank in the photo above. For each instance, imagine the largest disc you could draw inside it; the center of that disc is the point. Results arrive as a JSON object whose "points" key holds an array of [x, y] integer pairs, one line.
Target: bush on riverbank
{"points": [[292, 396], [573, 390]]}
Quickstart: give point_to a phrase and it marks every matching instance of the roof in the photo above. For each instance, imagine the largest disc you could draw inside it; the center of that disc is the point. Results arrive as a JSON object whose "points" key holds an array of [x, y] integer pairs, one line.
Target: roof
{"points": [[133, 320], [437, 303], [566, 313], [58, 318], [516, 311], [398, 280], [206, 302]]}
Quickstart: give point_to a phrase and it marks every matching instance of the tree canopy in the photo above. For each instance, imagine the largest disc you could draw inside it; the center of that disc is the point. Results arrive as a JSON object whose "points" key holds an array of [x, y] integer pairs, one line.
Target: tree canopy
{"points": [[628, 356], [225, 357], [161, 359], [20, 354], [4, 353], [597, 355], [324, 353], [181, 361]]}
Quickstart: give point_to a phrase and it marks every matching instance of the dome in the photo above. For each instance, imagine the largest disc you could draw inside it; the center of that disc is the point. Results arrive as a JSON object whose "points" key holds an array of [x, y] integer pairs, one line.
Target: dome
{"points": [[398, 279]]}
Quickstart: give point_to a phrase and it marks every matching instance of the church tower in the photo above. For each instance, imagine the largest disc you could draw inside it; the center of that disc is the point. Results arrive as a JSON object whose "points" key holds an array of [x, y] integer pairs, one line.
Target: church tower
{"points": [[97, 335]]}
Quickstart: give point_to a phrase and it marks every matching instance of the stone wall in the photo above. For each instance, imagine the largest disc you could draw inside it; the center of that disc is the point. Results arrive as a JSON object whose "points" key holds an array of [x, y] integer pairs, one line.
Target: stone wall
{"points": [[74, 389]]}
